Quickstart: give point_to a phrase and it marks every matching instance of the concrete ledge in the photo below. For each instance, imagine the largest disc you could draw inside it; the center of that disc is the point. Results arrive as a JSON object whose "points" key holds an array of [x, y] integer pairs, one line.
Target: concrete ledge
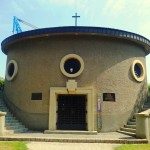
{"points": [[2, 122], [2, 113], [70, 132], [143, 125], [144, 113]]}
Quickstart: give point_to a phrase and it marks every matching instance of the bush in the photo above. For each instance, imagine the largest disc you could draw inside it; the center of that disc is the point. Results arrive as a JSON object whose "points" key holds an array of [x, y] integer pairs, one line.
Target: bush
{"points": [[1, 83], [149, 88]]}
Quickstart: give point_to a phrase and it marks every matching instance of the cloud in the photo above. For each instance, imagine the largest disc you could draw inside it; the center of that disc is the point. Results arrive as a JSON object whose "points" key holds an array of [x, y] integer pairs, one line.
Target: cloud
{"points": [[114, 7], [144, 29], [17, 7], [73, 3], [56, 2], [143, 7], [63, 2], [131, 8]]}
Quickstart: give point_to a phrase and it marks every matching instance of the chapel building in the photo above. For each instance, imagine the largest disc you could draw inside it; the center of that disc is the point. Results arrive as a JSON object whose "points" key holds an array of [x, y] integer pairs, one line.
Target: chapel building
{"points": [[75, 78]]}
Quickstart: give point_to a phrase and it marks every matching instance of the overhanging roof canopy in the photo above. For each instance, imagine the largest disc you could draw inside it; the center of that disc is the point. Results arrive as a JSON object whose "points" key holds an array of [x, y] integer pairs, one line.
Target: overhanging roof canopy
{"points": [[108, 32]]}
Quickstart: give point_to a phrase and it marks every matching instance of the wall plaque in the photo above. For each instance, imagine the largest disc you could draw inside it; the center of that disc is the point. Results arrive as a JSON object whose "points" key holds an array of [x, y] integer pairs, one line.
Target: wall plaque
{"points": [[36, 96], [109, 97]]}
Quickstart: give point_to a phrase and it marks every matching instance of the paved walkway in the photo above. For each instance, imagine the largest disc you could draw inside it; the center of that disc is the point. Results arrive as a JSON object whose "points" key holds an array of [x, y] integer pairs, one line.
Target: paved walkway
{"points": [[70, 146], [109, 137]]}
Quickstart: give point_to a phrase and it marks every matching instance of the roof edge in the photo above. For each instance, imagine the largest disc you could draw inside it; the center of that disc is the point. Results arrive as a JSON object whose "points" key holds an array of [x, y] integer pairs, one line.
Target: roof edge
{"points": [[78, 29]]}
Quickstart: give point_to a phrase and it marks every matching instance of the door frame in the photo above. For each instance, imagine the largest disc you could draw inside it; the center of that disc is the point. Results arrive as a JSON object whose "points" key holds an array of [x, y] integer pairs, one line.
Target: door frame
{"points": [[55, 91]]}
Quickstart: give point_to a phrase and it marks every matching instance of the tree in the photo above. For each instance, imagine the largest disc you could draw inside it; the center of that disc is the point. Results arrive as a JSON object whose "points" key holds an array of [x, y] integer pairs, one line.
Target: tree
{"points": [[1, 83], [149, 88]]}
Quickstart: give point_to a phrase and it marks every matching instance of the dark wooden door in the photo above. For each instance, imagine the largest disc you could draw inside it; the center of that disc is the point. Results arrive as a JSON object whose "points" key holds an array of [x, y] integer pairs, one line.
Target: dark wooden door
{"points": [[71, 113]]}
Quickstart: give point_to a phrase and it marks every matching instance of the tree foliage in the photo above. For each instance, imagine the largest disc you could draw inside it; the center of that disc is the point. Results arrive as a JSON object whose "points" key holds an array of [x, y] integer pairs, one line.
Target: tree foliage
{"points": [[149, 88], [1, 83]]}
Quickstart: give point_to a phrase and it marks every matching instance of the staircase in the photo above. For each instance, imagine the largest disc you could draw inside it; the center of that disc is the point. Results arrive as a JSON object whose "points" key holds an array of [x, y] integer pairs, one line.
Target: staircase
{"points": [[12, 125], [130, 128]]}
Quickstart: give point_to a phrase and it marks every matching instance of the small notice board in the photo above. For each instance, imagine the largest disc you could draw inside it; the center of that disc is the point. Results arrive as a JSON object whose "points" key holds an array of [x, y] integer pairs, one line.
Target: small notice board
{"points": [[109, 97]]}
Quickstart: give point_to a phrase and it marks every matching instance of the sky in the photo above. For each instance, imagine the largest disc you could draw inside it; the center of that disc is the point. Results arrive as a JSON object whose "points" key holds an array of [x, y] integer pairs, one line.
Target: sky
{"points": [[128, 15]]}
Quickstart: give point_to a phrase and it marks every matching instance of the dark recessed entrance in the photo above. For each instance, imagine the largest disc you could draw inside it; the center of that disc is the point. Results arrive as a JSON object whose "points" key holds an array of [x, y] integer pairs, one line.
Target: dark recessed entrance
{"points": [[71, 113]]}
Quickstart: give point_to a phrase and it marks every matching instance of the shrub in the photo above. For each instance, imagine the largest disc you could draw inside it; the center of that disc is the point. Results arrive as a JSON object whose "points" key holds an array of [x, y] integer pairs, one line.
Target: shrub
{"points": [[1, 83], [149, 88]]}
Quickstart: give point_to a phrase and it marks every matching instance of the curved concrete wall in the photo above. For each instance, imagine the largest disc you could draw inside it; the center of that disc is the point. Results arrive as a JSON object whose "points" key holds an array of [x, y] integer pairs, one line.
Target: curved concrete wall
{"points": [[107, 69]]}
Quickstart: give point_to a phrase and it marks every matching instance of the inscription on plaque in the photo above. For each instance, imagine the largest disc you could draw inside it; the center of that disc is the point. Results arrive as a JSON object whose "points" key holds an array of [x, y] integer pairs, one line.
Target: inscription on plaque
{"points": [[109, 97]]}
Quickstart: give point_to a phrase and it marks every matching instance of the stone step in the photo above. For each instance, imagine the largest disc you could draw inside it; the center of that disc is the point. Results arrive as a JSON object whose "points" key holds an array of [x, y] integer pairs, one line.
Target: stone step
{"points": [[130, 126], [127, 133], [2, 106], [14, 127], [4, 109], [146, 106], [9, 131], [20, 130], [11, 121], [131, 123], [10, 118], [134, 116], [147, 102], [9, 114], [2, 103], [128, 129], [133, 120], [144, 109], [1, 100]]}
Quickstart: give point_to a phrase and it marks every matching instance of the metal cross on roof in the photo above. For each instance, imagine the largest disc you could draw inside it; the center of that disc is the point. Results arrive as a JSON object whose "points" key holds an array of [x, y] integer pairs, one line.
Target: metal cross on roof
{"points": [[76, 17]]}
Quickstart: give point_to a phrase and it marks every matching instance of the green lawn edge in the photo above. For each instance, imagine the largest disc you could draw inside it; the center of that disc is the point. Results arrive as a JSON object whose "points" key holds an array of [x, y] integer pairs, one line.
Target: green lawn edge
{"points": [[13, 145], [133, 147]]}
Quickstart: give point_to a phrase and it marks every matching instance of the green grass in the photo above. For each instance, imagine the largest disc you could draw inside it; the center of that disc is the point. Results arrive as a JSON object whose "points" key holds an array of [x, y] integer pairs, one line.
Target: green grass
{"points": [[134, 147], [13, 146]]}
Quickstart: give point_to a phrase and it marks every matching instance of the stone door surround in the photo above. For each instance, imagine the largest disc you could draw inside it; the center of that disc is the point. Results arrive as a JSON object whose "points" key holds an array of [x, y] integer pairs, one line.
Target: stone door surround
{"points": [[71, 88]]}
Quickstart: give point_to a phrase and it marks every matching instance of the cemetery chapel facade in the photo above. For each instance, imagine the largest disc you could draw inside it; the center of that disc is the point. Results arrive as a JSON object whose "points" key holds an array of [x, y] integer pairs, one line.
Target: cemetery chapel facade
{"points": [[75, 78]]}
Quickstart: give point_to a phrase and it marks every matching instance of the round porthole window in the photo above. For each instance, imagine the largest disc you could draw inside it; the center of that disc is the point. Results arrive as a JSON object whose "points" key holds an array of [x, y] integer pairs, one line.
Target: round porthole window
{"points": [[72, 65], [11, 70], [138, 71]]}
